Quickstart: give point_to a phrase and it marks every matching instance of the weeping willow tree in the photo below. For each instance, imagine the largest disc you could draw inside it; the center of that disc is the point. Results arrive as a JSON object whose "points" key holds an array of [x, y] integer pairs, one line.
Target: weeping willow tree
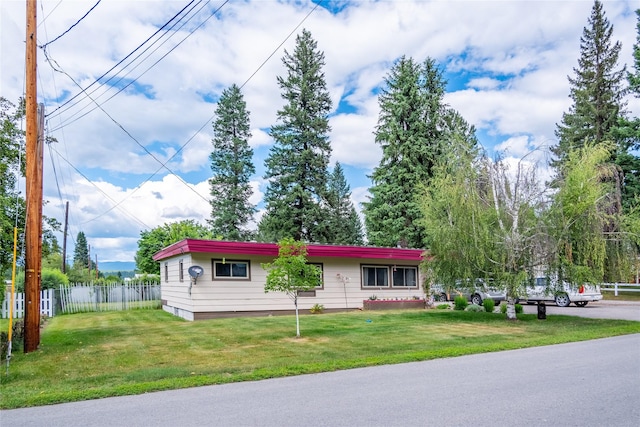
{"points": [[482, 220], [589, 230]]}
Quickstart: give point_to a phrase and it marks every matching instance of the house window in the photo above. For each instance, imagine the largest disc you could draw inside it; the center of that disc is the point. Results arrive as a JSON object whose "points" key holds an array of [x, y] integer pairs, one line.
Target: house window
{"points": [[231, 269], [385, 276], [374, 276], [405, 277], [166, 271], [181, 270], [320, 266]]}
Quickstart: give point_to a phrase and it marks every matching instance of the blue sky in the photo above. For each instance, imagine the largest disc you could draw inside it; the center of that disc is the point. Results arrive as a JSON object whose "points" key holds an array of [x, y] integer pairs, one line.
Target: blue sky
{"points": [[506, 63]]}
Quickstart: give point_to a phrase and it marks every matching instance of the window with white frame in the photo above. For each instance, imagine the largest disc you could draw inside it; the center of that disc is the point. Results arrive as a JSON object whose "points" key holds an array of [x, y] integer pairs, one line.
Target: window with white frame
{"points": [[230, 269], [181, 270], [166, 271]]}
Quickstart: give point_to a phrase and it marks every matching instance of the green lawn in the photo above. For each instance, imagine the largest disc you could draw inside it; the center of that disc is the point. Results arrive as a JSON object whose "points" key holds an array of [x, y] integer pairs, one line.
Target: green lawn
{"points": [[93, 355]]}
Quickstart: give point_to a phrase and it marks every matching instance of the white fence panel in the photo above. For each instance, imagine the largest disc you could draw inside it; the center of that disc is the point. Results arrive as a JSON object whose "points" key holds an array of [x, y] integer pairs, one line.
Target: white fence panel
{"points": [[617, 287], [47, 304], [115, 296]]}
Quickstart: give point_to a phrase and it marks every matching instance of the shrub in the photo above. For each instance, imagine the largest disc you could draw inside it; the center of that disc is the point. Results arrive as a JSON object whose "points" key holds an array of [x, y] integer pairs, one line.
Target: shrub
{"points": [[503, 308], [460, 303], [317, 309], [488, 305], [52, 278], [474, 308], [443, 306]]}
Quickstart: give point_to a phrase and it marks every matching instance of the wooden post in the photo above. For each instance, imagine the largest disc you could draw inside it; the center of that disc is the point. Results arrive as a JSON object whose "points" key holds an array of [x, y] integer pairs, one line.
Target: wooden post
{"points": [[33, 227], [64, 239]]}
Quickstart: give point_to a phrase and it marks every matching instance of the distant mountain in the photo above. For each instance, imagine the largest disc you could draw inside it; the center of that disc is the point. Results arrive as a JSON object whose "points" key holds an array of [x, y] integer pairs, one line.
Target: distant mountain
{"points": [[116, 266]]}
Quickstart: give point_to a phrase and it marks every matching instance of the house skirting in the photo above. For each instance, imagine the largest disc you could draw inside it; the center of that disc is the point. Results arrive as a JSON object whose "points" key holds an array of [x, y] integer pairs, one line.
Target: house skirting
{"points": [[191, 316]]}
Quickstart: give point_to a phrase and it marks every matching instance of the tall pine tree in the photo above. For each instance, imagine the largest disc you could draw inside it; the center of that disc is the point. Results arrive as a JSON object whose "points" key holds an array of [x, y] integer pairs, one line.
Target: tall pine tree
{"points": [[232, 166], [81, 252], [343, 223], [413, 128], [628, 135], [297, 165], [596, 90]]}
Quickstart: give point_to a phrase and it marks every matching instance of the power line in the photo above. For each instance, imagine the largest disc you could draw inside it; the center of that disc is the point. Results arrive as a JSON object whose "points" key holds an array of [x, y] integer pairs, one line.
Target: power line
{"points": [[250, 77], [72, 118], [140, 222], [163, 164], [128, 55], [71, 27]]}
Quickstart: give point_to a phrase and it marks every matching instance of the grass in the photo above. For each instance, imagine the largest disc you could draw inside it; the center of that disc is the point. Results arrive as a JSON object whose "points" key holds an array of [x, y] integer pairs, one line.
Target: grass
{"points": [[94, 355]]}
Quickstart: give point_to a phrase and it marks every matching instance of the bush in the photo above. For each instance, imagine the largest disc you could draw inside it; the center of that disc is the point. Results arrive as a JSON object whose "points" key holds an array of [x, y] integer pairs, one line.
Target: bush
{"points": [[52, 278], [443, 306], [474, 308], [489, 305], [503, 308], [317, 309], [460, 303]]}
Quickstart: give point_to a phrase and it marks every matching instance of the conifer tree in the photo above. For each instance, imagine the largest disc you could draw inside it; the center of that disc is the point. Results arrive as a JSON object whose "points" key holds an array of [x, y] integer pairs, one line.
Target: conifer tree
{"points": [[628, 135], [297, 165], [343, 223], [81, 251], [413, 128], [596, 89], [232, 166]]}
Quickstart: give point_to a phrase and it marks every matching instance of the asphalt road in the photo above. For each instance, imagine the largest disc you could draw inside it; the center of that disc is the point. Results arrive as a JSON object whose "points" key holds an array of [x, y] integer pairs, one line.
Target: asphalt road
{"points": [[591, 383], [606, 309]]}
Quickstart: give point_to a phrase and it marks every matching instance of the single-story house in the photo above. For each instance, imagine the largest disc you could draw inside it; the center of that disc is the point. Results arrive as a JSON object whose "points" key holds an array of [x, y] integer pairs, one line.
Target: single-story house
{"points": [[231, 279]]}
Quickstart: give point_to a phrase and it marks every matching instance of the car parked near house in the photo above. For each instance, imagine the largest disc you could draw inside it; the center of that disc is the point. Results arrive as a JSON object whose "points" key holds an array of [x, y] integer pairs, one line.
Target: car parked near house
{"points": [[475, 293], [547, 290]]}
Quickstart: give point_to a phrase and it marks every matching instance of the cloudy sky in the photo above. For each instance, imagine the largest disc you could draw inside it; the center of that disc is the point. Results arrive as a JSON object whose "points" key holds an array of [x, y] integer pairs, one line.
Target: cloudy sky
{"points": [[134, 143]]}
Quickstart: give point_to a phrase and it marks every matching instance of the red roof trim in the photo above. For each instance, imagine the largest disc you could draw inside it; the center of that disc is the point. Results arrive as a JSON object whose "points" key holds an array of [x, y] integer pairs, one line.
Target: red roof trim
{"points": [[271, 249]]}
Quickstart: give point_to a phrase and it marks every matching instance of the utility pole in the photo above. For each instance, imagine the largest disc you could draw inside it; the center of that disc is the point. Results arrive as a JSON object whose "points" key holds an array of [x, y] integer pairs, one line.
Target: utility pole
{"points": [[33, 227], [64, 239]]}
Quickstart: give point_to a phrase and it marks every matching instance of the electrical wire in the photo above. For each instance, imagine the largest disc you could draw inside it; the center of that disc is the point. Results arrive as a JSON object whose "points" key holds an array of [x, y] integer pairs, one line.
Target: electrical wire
{"points": [[163, 165], [130, 215], [162, 28], [73, 117], [210, 119], [71, 27]]}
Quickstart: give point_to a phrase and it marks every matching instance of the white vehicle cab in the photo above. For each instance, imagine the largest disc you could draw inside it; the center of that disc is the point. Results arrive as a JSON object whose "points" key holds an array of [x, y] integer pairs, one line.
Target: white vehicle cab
{"points": [[544, 289]]}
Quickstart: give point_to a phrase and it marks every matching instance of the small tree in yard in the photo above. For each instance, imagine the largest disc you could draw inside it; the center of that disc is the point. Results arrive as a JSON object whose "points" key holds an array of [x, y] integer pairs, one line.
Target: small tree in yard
{"points": [[290, 273]]}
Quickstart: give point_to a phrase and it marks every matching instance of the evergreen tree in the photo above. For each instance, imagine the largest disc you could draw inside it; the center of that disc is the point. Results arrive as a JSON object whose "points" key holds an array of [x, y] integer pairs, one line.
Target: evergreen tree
{"points": [[297, 165], [413, 129], [232, 166], [628, 135], [81, 252], [343, 224], [596, 90]]}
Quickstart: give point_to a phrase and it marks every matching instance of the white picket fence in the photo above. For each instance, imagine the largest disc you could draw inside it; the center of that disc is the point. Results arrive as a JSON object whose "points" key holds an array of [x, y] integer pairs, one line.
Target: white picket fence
{"points": [[88, 297], [617, 287], [47, 304]]}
